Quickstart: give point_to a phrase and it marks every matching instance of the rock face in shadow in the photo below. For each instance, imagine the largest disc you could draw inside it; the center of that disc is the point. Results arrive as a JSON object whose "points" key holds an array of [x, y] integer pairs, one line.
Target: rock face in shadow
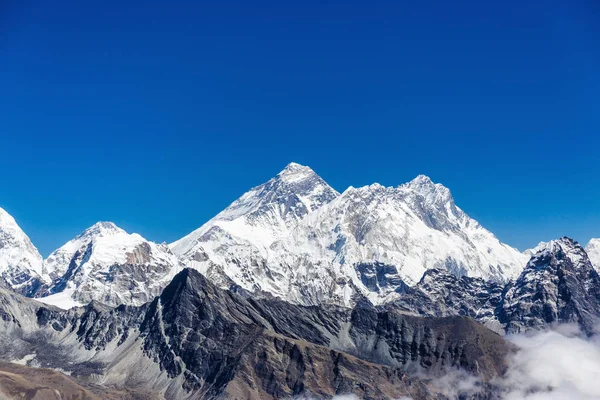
{"points": [[198, 341], [440, 293], [433, 344], [558, 285], [378, 277], [274, 367]]}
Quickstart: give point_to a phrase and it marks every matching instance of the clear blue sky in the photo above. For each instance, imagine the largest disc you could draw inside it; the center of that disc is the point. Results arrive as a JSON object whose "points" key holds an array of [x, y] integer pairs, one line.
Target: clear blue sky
{"points": [[156, 115]]}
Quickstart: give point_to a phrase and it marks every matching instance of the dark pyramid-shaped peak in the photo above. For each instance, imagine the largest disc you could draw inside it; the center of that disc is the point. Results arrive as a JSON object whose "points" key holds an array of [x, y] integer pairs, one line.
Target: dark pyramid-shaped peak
{"points": [[192, 301], [187, 286]]}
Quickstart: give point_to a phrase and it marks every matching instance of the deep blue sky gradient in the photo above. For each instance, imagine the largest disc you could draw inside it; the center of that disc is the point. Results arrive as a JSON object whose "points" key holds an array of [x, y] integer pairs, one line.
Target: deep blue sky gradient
{"points": [[156, 115]]}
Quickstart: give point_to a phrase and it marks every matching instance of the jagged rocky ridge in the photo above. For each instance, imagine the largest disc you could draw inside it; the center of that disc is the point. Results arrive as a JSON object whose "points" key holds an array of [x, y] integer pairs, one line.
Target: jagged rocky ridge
{"points": [[558, 285], [198, 341], [440, 293]]}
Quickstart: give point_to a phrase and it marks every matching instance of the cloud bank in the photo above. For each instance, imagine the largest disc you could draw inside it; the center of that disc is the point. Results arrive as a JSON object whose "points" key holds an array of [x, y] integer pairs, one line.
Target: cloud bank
{"points": [[554, 365]]}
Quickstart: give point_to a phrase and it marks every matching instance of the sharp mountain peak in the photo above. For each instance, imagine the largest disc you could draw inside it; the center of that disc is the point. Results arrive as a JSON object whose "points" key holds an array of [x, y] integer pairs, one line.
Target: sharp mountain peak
{"points": [[294, 168], [102, 227]]}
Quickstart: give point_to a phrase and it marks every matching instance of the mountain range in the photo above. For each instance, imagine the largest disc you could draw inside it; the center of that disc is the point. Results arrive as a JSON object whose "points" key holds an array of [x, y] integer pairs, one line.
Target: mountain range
{"points": [[296, 238], [294, 290], [293, 237]]}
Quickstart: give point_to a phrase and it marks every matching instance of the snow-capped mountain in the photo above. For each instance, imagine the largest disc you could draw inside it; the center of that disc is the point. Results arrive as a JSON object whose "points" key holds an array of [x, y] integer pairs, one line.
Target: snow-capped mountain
{"points": [[295, 237], [107, 264], [593, 251], [235, 247], [267, 212], [21, 265]]}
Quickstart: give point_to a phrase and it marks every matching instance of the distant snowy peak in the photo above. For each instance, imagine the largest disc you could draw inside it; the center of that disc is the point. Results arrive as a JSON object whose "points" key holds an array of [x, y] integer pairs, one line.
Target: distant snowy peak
{"points": [[107, 264], [430, 200], [295, 172], [103, 243], [101, 228], [265, 213], [21, 265], [432, 193], [293, 193], [593, 251]]}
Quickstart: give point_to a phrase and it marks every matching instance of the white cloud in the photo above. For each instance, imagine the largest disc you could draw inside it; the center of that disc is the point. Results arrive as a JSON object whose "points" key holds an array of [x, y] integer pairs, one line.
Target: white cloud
{"points": [[561, 364], [455, 383], [554, 365]]}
